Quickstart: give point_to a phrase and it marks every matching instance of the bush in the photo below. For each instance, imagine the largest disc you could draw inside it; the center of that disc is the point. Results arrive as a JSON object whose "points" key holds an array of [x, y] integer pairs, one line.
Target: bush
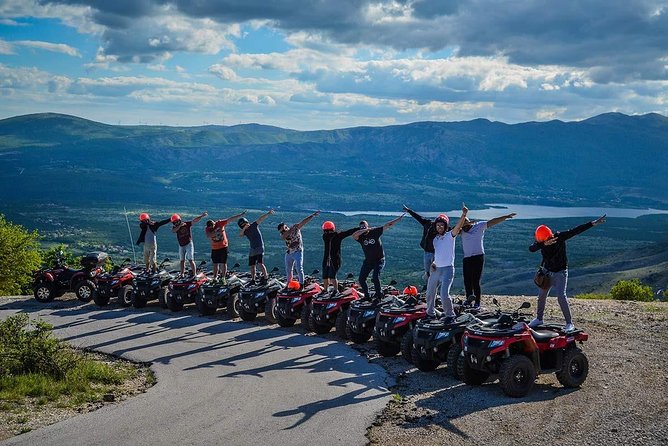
{"points": [[19, 257], [29, 348], [632, 290], [51, 254], [592, 296]]}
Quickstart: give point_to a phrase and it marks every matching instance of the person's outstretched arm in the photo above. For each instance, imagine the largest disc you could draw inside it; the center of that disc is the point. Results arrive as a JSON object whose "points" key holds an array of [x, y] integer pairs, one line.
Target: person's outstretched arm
{"points": [[563, 236], [199, 217], [458, 227], [419, 218], [263, 217], [497, 220], [391, 223], [232, 217], [307, 219]]}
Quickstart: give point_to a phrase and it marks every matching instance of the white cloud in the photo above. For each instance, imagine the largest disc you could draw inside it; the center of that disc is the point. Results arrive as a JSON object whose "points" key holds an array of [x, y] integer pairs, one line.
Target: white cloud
{"points": [[223, 72], [48, 46], [10, 22], [6, 48]]}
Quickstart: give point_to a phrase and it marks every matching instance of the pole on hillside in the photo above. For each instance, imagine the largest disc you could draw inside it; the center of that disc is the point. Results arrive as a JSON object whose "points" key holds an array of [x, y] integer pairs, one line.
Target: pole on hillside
{"points": [[134, 256]]}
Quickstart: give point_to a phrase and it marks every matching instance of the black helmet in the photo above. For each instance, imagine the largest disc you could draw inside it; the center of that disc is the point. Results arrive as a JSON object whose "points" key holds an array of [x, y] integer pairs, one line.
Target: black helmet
{"points": [[242, 222]]}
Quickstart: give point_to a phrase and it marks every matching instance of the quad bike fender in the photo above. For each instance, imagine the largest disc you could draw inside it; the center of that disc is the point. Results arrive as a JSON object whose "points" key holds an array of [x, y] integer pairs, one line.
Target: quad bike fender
{"points": [[76, 278]]}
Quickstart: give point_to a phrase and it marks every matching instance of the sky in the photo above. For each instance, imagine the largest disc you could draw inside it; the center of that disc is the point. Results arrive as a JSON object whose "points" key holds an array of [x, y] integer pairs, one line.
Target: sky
{"points": [[322, 64]]}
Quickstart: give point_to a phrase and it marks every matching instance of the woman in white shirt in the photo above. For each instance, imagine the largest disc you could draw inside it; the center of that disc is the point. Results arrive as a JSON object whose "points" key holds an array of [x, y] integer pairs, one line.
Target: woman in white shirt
{"points": [[443, 267]]}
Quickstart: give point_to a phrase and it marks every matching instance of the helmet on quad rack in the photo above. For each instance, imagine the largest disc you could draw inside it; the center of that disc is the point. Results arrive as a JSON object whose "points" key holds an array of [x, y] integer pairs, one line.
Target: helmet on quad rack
{"points": [[294, 285], [543, 233], [242, 222], [144, 216], [174, 218], [328, 226], [411, 290]]}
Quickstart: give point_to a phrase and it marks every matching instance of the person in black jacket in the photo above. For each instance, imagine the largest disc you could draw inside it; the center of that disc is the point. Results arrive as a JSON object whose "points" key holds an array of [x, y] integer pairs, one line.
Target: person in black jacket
{"points": [[147, 236], [427, 241], [555, 262], [331, 259]]}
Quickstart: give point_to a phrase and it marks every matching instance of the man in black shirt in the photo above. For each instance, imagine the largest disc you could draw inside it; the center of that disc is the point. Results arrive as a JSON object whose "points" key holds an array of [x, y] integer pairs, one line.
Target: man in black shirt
{"points": [[374, 256], [331, 260], [427, 240], [553, 249]]}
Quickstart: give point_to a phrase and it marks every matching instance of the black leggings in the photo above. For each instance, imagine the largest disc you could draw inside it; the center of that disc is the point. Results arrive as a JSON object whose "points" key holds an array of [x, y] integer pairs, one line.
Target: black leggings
{"points": [[472, 273]]}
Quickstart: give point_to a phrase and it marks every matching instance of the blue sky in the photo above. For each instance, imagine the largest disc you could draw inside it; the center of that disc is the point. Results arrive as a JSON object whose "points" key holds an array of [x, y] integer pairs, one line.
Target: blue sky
{"points": [[330, 64]]}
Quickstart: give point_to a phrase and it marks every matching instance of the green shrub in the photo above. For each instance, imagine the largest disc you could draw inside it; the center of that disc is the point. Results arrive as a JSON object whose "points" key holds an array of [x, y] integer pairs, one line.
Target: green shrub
{"points": [[27, 348], [19, 257], [51, 254], [632, 290]]}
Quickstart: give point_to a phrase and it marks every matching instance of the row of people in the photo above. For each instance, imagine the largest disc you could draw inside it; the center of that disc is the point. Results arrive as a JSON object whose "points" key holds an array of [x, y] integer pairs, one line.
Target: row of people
{"points": [[437, 242]]}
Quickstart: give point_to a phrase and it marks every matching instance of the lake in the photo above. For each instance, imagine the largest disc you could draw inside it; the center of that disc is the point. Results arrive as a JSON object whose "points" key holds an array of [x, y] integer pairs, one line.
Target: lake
{"points": [[524, 212]]}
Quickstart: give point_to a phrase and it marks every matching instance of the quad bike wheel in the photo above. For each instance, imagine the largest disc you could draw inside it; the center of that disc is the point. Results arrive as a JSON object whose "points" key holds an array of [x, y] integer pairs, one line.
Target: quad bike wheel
{"points": [[202, 307], [100, 300], [407, 346], [162, 296], [341, 323], [305, 317], [574, 368], [517, 375], [246, 315], [125, 295], [357, 338], [319, 328], [284, 321], [137, 300], [44, 292], [233, 305], [453, 356], [85, 290], [172, 303], [387, 349], [270, 310]]}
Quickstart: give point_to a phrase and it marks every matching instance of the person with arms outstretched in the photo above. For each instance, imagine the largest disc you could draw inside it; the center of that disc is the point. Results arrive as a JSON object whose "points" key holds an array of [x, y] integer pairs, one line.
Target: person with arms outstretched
{"points": [[331, 259], [184, 235], [427, 240], [555, 262], [147, 236], [256, 250], [294, 254], [215, 232], [374, 255]]}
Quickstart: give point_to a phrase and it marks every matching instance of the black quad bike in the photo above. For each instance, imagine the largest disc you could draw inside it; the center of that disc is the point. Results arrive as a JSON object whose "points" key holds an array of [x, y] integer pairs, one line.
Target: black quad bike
{"points": [[150, 285], [117, 283], [182, 290], [361, 315], [221, 293], [50, 283], [517, 354], [254, 297]]}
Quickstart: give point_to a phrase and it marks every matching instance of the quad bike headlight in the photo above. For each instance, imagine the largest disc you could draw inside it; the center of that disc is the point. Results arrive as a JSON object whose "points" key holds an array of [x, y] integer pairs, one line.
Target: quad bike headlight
{"points": [[191, 286], [259, 295], [294, 300], [114, 282], [329, 306], [441, 335], [155, 282], [494, 344], [368, 313], [399, 319]]}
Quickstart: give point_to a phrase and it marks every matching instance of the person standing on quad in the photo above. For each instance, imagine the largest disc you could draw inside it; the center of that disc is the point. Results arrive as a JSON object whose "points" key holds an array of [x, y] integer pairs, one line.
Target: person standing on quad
{"points": [[294, 254], [184, 235], [443, 266], [374, 255], [427, 241], [147, 236], [553, 249], [254, 236], [215, 232], [473, 233], [331, 260]]}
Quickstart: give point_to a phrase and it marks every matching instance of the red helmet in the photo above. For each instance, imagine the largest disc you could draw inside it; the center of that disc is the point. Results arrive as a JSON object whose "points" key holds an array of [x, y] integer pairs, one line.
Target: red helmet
{"points": [[174, 218], [444, 218], [328, 226], [543, 233], [144, 216], [293, 285], [411, 290]]}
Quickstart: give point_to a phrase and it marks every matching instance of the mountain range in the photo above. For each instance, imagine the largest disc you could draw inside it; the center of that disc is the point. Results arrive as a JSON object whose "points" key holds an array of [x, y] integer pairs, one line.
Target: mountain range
{"points": [[608, 160]]}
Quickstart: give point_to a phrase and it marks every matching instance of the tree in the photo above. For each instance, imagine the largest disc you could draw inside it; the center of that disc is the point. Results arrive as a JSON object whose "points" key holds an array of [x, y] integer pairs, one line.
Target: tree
{"points": [[19, 257]]}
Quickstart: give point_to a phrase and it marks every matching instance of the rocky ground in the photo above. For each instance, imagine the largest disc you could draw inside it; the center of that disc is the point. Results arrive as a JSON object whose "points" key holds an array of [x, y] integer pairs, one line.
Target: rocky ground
{"points": [[623, 402]]}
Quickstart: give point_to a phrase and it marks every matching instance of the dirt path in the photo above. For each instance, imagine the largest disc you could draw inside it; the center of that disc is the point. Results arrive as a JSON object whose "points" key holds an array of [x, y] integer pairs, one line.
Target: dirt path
{"points": [[623, 402]]}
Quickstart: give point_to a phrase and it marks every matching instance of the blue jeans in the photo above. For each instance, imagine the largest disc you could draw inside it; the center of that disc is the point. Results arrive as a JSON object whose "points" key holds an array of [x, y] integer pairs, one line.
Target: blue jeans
{"points": [[367, 267], [558, 282], [295, 260], [445, 275], [428, 260]]}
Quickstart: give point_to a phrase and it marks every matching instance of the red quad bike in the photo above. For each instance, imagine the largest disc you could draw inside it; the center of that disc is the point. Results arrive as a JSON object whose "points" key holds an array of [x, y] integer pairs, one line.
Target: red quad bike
{"points": [[517, 354], [295, 303], [393, 332], [53, 282], [329, 309], [117, 283], [183, 290], [361, 315]]}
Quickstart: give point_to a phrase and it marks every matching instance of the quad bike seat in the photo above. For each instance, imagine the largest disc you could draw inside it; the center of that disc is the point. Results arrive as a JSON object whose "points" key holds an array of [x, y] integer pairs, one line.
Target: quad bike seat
{"points": [[543, 335]]}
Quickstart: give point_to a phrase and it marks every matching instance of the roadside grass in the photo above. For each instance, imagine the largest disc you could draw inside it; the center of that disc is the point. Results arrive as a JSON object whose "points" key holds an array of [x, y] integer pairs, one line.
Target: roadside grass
{"points": [[593, 296]]}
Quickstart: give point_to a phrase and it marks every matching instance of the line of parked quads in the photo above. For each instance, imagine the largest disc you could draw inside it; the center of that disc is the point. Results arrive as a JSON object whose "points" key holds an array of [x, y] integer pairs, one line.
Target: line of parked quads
{"points": [[477, 344]]}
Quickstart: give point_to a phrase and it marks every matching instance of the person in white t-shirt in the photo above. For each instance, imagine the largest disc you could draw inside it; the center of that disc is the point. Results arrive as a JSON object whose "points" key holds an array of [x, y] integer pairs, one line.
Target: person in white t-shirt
{"points": [[473, 233], [443, 267]]}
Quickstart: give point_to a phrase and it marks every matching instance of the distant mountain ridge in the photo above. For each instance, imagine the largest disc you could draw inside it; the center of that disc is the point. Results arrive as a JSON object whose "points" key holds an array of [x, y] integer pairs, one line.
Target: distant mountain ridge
{"points": [[610, 159]]}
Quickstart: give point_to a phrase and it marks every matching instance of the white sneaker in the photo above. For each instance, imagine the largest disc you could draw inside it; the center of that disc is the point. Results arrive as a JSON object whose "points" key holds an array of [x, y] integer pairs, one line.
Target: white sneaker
{"points": [[569, 327], [535, 323]]}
